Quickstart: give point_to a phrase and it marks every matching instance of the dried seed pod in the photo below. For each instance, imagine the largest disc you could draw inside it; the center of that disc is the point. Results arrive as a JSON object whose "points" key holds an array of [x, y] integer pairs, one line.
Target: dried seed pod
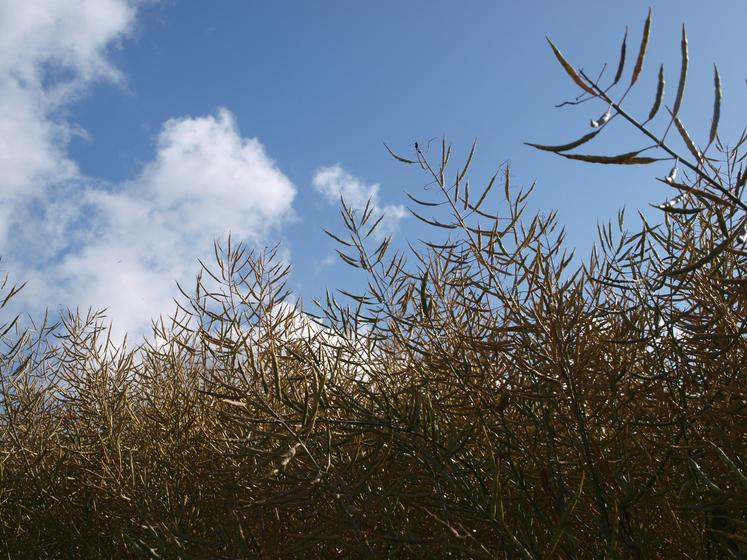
{"points": [[603, 119], [683, 73], [672, 176], [570, 70], [659, 94], [642, 49], [716, 104]]}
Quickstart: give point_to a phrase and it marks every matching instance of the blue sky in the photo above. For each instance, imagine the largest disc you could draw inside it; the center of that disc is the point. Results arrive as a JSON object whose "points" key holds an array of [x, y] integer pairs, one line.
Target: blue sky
{"points": [[133, 134]]}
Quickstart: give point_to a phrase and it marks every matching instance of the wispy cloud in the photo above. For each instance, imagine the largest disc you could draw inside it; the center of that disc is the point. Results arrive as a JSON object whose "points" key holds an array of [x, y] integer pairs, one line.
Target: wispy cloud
{"points": [[334, 183]]}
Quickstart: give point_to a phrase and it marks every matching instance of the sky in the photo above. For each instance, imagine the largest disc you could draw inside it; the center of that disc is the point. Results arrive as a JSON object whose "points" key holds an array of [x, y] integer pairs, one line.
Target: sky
{"points": [[134, 133]]}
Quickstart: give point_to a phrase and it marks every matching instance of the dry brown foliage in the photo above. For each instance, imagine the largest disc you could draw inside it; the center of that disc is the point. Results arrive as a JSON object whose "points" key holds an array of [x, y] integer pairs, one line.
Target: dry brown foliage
{"points": [[483, 398]]}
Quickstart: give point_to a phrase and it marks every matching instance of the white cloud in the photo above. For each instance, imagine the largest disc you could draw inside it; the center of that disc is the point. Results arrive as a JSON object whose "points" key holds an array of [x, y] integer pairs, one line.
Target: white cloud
{"points": [[39, 37], [84, 243], [129, 245], [322, 264], [335, 183], [207, 171], [49, 51], [31, 156]]}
